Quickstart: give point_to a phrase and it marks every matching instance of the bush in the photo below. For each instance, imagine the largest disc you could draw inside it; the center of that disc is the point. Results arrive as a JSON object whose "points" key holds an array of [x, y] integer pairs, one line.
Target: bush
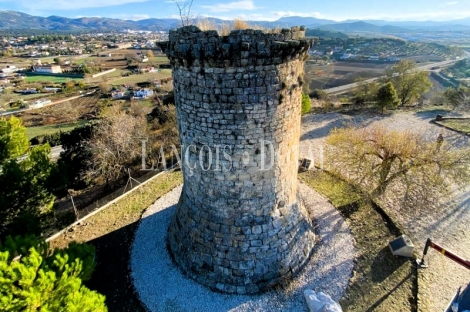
{"points": [[305, 104], [53, 139], [33, 278], [28, 186], [320, 94]]}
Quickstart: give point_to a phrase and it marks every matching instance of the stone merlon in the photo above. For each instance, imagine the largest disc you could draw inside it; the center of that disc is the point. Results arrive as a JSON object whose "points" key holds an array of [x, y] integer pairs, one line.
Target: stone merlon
{"points": [[189, 46]]}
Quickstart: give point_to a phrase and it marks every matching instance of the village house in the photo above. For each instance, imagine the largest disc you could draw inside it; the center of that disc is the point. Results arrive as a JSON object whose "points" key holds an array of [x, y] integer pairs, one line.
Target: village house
{"points": [[116, 95], [148, 69], [29, 91], [48, 69], [52, 90], [143, 93], [9, 69], [40, 103]]}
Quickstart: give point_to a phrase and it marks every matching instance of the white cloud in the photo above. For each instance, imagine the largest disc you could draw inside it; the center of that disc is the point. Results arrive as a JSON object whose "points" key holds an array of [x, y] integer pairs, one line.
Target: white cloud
{"points": [[132, 17], [301, 14], [452, 3], [71, 4], [420, 16], [88, 16], [247, 5]]}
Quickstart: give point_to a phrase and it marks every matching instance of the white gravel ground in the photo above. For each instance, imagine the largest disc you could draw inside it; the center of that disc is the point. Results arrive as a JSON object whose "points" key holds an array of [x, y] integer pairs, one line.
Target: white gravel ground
{"points": [[161, 286]]}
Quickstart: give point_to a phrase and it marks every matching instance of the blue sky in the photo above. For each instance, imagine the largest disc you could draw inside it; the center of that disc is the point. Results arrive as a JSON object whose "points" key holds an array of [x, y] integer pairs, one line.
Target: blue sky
{"points": [[249, 9]]}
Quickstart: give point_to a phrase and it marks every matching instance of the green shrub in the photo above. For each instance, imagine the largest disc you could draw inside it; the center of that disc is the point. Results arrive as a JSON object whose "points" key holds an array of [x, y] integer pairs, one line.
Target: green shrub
{"points": [[33, 278], [305, 104]]}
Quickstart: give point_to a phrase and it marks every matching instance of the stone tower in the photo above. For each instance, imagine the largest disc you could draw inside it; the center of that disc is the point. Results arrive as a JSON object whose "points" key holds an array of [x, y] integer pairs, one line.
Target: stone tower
{"points": [[240, 226]]}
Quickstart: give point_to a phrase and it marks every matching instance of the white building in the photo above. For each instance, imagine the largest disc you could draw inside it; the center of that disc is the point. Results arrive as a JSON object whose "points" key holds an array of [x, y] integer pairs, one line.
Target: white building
{"points": [[143, 93], [40, 103], [48, 69], [117, 95], [9, 69], [52, 90]]}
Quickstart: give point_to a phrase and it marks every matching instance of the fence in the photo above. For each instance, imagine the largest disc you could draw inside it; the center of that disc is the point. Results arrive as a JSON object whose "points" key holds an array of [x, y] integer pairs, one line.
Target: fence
{"points": [[105, 202]]}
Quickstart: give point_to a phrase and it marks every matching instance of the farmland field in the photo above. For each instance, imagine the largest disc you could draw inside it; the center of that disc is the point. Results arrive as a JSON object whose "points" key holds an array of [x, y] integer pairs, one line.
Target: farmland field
{"points": [[339, 73], [164, 73], [50, 79], [64, 113], [159, 59], [32, 132]]}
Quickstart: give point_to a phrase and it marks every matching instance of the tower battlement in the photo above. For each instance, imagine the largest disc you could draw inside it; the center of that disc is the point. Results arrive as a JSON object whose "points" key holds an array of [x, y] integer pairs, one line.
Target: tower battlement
{"points": [[189, 46]]}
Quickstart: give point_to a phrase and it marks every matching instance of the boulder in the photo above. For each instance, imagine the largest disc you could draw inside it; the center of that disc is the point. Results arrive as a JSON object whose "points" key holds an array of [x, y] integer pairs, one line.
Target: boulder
{"points": [[320, 302]]}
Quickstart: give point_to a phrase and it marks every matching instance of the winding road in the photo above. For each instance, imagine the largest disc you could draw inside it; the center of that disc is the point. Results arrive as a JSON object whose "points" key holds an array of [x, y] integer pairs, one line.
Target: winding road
{"points": [[345, 88]]}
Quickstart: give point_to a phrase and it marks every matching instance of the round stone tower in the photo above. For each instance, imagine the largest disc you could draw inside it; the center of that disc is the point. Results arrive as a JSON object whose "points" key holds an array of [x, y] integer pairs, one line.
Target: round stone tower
{"points": [[240, 226]]}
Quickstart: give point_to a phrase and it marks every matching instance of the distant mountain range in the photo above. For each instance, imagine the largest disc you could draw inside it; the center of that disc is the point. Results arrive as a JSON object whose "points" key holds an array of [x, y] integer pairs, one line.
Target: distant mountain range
{"points": [[11, 20], [364, 27], [17, 20]]}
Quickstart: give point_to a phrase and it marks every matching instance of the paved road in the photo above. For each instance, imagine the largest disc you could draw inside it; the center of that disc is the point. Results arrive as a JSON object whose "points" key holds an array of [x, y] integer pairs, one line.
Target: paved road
{"points": [[344, 88], [55, 153], [447, 223]]}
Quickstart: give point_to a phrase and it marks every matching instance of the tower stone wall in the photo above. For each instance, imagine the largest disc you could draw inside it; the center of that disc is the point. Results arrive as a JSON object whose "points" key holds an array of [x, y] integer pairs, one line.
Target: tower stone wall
{"points": [[240, 226]]}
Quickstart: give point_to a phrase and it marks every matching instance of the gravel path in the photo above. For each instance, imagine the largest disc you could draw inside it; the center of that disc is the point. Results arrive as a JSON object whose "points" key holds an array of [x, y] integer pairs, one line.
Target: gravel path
{"points": [[161, 286], [447, 225]]}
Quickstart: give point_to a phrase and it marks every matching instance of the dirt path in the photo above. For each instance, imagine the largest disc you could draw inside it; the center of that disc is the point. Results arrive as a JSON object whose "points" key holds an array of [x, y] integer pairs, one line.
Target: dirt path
{"points": [[447, 224]]}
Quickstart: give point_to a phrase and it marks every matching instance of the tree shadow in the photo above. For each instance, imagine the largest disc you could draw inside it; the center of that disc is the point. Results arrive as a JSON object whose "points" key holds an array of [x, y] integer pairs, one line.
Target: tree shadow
{"points": [[395, 288], [112, 273], [385, 264], [323, 131], [335, 121], [431, 114], [454, 216]]}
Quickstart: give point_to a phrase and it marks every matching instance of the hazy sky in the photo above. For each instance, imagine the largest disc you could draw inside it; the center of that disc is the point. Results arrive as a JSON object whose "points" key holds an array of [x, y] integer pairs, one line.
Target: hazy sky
{"points": [[249, 9]]}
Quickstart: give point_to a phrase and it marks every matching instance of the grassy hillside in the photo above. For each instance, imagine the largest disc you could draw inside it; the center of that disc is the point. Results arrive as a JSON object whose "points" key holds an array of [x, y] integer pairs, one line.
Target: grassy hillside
{"points": [[321, 33], [459, 70]]}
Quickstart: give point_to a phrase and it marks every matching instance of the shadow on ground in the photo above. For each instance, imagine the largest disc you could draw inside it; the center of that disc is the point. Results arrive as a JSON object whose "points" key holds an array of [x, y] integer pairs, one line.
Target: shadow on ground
{"points": [[112, 274], [431, 114]]}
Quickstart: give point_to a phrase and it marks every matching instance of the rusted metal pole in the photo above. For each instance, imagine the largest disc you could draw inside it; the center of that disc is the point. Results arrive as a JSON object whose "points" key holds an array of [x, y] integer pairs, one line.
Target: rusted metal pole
{"points": [[445, 252]]}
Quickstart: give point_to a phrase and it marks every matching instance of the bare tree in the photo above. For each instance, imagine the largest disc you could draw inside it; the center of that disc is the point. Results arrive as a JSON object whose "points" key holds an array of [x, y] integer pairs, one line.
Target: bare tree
{"points": [[458, 98], [149, 53], [105, 87], [116, 145], [184, 8], [415, 167]]}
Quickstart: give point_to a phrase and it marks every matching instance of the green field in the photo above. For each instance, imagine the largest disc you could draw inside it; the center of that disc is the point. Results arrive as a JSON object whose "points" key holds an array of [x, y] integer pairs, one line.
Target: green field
{"points": [[164, 73], [159, 59], [49, 79], [115, 74], [84, 59], [32, 132]]}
